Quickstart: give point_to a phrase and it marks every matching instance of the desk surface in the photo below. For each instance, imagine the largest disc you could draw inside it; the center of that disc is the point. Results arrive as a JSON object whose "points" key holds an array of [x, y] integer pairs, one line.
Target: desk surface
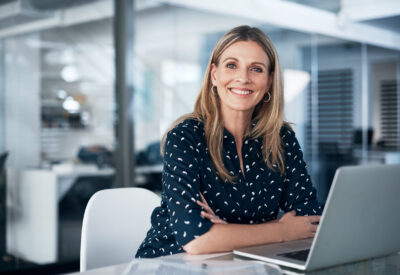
{"points": [[384, 265]]}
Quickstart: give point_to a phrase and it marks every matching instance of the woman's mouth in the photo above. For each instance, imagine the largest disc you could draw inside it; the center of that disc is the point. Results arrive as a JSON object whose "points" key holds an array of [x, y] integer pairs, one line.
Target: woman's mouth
{"points": [[240, 91]]}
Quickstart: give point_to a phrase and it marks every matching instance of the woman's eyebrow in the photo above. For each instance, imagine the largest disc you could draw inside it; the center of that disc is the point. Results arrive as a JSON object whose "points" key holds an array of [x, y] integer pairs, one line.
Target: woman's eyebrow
{"points": [[235, 59], [226, 59], [259, 63]]}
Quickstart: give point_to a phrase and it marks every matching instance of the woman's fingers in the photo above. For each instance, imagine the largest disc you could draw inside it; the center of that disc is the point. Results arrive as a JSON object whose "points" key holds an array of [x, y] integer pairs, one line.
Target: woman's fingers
{"points": [[205, 205], [202, 198], [212, 218], [314, 219], [314, 227], [219, 221], [207, 215], [200, 203], [298, 227]]}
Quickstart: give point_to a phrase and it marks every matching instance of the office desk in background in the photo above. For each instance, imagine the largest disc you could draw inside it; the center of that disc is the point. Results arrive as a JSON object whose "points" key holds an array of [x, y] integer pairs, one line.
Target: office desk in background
{"points": [[384, 265], [33, 200], [45, 207]]}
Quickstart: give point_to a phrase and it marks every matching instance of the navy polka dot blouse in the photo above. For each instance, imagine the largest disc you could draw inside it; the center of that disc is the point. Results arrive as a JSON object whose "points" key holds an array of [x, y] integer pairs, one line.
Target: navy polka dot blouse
{"points": [[257, 198]]}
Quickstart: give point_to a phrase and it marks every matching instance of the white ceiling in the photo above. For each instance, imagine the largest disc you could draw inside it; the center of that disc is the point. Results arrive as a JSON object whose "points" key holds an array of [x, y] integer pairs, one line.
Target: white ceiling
{"points": [[375, 22]]}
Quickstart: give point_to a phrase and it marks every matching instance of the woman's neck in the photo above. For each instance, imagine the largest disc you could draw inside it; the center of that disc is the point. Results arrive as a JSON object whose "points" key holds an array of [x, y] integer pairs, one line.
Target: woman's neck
{"points": [[238, 124]]}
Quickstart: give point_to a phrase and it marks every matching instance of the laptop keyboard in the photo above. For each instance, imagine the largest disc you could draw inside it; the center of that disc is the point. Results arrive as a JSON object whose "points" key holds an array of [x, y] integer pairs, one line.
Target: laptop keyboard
{"points": [[297, 255]]}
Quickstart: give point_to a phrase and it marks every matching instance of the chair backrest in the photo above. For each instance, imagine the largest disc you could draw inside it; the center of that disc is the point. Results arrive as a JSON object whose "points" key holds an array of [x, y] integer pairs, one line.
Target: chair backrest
{"points": [[114, 225]]}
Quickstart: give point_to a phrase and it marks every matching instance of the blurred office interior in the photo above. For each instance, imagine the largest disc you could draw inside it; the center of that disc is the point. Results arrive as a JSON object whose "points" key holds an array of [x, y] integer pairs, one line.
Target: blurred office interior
{"points": [[65, 104]]}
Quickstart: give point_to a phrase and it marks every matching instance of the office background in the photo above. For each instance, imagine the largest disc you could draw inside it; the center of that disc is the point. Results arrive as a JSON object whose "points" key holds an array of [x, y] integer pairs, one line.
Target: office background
{"points": [[71, 124]]}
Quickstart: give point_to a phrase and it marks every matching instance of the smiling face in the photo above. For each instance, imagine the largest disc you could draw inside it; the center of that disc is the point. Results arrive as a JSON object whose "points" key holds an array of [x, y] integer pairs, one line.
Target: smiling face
{"points": [[241, 77]]}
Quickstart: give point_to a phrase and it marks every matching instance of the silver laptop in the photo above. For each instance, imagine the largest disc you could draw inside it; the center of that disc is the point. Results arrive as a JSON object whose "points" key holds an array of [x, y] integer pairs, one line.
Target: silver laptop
{"points": [[361, 220]]}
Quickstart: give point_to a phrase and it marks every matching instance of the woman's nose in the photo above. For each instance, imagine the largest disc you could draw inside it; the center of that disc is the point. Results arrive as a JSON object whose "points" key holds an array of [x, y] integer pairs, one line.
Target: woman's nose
{"points": [[242, 76]]}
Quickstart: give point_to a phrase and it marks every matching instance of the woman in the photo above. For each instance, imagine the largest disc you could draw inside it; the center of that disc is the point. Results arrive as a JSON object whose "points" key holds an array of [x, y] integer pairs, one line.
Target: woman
{"points": [[231, 164]]}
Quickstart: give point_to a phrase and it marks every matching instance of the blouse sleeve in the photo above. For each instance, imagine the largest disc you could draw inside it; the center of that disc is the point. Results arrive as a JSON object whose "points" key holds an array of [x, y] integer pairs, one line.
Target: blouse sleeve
{"points": [[181, 186], [299, 193]]}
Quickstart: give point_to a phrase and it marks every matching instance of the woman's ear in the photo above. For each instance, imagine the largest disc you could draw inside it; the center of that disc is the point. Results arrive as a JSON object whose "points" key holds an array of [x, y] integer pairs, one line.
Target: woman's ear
{"points": [[213, 73]]}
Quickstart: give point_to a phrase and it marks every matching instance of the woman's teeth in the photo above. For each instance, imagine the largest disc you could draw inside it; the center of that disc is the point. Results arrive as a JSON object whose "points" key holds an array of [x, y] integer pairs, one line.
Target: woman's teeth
{"points": [[241, 92]]}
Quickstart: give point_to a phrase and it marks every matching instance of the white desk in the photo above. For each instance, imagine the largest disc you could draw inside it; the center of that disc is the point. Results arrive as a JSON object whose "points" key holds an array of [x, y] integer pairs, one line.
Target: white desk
{"points": [[32, 209], [182, 257], [385, 265]]}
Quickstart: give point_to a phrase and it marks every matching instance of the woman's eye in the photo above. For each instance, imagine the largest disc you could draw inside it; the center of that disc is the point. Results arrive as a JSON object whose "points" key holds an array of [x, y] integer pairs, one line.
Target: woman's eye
{"points": [[258, 70], [230, 66]]}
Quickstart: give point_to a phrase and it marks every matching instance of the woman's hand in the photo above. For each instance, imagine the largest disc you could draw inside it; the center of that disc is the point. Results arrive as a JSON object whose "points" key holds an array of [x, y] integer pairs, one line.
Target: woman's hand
{"points": [[209, 213], [298, 227]]}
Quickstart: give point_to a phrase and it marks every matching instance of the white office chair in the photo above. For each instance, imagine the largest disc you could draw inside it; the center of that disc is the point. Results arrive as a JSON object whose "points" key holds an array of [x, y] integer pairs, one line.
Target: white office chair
{"points": [[114, 225]]}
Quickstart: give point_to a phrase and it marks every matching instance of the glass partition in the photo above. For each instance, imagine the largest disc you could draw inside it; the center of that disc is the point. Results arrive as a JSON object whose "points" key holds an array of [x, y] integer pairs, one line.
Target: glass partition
{"points": [[382, 136], [335, 108], [57, 125]]}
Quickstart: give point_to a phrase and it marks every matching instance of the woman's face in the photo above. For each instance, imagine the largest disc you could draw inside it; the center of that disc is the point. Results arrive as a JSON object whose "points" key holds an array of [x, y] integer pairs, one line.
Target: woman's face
{"points": [[241, 77]]}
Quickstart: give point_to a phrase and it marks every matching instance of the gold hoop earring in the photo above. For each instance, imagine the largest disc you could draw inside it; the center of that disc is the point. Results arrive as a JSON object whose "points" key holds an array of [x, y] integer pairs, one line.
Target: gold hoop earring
{"points": [[269, 97]]}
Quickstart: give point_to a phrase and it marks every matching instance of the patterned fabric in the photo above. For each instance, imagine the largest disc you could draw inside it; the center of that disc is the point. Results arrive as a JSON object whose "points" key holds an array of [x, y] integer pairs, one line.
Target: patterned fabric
{"points": [[255, 198]]}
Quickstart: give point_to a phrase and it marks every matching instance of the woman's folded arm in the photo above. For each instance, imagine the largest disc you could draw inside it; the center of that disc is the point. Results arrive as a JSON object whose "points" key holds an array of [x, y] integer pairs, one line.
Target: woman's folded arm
{"points": [[227, 237]]}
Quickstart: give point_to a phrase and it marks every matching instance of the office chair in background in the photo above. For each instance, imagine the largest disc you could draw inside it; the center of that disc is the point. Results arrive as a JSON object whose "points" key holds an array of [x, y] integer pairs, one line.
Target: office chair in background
{"points": [[114, 225]]}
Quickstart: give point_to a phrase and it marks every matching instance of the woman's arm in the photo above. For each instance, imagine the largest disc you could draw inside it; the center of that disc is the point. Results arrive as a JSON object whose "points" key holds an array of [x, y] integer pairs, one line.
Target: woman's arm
{"points": [[226, 237]]}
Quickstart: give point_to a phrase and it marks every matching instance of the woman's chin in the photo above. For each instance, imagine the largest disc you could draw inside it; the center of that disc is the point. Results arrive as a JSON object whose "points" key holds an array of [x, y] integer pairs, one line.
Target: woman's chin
{"points": [[241, 108]]}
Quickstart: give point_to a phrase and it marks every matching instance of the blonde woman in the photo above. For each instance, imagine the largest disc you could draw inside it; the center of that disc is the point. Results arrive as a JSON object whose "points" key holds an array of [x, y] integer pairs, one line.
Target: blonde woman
{"points": [[233, 163]]}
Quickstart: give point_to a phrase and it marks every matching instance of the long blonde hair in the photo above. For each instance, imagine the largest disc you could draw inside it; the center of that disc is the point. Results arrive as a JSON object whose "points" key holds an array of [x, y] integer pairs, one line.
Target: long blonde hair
{"points": [[268, 116]]}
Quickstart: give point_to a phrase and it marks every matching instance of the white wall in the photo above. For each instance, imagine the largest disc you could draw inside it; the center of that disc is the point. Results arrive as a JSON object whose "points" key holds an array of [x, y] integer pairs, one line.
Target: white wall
{"points": [[21, 98]]}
